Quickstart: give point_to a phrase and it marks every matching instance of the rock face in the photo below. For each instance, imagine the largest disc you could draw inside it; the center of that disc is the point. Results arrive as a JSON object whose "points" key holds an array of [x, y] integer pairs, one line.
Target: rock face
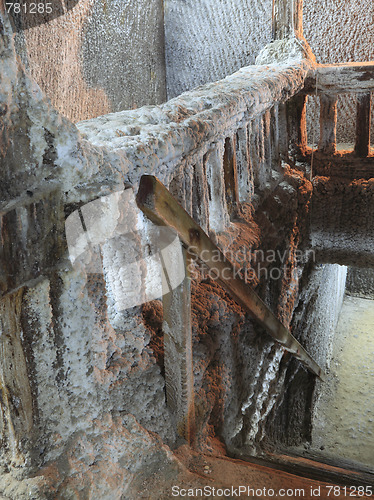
{"points": [[84, 413]]}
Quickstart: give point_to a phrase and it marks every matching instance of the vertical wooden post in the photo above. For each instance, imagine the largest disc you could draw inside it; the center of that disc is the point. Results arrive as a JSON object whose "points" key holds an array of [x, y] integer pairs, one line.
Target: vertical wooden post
{"points": [[257, 152], [244, 164], [178, 354], [274, 135], [230, 175], [287, 19], [266, 120], [296, 124], [16, 408], [218, 210], [283, 137], [363, 122], [200, 201], [328, 121]]}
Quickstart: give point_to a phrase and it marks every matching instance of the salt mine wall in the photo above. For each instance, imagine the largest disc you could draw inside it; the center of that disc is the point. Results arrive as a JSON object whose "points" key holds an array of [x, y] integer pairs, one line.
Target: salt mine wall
{"points": [[217, 39], [360, 282], [328, 29], [98, 57], [338, 32], [315, 318], [84, 413], [208, 42], [222, 38], [102, 57]]}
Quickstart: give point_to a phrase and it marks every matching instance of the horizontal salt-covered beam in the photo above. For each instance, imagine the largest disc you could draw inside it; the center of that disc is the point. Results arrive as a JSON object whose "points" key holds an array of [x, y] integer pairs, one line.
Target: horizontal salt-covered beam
{"points": [[161, 208], [341, 78], [191, 123]]}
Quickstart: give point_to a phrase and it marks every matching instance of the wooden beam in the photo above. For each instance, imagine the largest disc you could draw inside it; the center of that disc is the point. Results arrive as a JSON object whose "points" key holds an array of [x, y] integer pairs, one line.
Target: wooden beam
{"points": [[346, 166], [178, 354], [341, 78], [283, 126], [287, 19], [296, 123], [328, 121], [363, 121], [244, 165], [161, 208], [230, 175], [315, 465]]}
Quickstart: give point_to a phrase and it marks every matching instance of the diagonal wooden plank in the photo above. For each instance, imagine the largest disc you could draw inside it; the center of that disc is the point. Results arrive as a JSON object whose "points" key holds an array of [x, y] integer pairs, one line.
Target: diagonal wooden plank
{"points": [[160, 207]]}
